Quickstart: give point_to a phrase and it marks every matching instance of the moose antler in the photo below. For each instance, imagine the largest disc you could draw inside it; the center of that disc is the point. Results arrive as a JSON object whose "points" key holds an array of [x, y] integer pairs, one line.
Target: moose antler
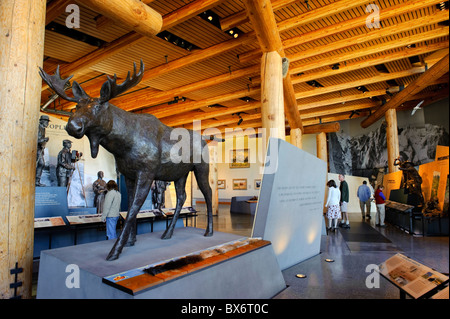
{"points": [[111, 89], [58, 85]]}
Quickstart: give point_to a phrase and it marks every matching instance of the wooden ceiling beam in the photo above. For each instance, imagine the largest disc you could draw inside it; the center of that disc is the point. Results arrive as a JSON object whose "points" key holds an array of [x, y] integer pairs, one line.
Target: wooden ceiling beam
{"points": [[370, 61], [55, 9], [354, 84], [188, 117], [331, 127], [357, 22], [198, 56], [397, 43], [131, 13], [162, 111], [343, 26], [240, 17], [129, 39], [142, 99], [435, 72], [370, 36]]}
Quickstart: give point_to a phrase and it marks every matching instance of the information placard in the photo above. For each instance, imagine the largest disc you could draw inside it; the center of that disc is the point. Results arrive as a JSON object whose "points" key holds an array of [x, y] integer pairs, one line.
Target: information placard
{"points": [[411, 276], [48, 222]]}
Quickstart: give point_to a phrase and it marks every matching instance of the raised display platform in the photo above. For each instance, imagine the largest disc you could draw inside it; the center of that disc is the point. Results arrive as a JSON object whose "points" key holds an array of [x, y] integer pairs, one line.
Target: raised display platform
{"points": [[244, 273]]}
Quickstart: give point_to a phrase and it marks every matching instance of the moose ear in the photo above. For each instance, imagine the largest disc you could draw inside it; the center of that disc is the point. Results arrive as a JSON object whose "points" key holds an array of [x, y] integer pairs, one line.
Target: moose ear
{"points": [[78, 91], [105, 92]]}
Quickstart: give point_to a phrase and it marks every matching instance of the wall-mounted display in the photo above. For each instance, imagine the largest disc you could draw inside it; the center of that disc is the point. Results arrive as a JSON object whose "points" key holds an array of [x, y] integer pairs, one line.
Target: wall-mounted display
{"points": [[221, 184], [239, 184], [239, 158]]}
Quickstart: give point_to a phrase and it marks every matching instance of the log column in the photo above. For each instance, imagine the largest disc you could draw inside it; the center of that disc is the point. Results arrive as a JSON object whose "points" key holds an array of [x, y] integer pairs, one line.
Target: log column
{"points": [[22, 47], [213, 176], [392, 138], [297, 137], [272, 101], [321, 143]]}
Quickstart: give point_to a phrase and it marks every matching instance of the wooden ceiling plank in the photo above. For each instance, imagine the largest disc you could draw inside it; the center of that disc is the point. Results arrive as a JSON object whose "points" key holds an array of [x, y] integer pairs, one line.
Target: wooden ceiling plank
{"points": [[142, 99], [55, 9], [388, 45], [367, 62], [370, 36], [121, 44], [436, 71]]}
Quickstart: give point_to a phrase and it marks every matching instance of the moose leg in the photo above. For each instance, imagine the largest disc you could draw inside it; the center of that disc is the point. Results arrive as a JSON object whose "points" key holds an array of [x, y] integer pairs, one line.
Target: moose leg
{"points": [[131, 191], [202, 176], [141, 191], [180, 187]]}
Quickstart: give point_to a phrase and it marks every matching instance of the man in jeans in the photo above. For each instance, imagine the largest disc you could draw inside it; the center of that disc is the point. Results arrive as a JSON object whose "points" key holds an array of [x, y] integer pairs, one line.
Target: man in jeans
{"points": [[364, 199]]}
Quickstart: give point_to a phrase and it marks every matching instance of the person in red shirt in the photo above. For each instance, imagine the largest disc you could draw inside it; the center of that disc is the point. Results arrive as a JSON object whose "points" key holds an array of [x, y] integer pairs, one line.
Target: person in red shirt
{"points": [[380, 202]]}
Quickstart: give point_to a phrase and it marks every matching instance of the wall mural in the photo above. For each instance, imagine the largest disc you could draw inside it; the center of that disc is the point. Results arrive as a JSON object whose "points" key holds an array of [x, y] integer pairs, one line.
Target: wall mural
{"points": [[366, 155]]}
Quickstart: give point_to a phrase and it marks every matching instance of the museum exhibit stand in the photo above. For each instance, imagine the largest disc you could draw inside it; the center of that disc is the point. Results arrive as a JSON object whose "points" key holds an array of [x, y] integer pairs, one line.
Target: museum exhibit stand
{"points": [[56, 225], [426, 213]]}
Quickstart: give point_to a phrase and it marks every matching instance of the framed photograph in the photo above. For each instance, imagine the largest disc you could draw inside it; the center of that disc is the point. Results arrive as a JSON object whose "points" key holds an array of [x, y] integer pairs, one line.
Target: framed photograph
{"points": [[239, 158], [257, 183], [240, 184], [221, 184]]}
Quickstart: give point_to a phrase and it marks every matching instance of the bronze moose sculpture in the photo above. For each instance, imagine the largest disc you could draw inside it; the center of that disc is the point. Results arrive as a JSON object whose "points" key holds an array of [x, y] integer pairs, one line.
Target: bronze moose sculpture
{"points": [[141, 146]]}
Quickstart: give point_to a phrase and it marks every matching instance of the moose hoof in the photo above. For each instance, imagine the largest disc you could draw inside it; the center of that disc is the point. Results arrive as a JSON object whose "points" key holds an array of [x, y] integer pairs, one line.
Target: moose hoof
{"points": [[130, 243], [208, 233], [112, 256], [166, 235]]}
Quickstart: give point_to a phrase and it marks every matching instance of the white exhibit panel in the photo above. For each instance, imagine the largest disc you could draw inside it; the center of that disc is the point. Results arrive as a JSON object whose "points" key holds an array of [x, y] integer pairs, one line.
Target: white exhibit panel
{"points": [[290, 207]]}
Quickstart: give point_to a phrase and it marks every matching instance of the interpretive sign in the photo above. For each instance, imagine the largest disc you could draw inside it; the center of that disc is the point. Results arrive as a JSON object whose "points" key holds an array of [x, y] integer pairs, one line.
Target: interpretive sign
{"points": [[289, 211], [48, 222], [50, 202], [84, 219], [411, 276]]}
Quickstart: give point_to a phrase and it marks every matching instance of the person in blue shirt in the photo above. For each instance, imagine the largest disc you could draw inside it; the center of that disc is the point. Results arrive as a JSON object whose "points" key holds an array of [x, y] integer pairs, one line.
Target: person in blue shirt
{"points": [[364, 195]]}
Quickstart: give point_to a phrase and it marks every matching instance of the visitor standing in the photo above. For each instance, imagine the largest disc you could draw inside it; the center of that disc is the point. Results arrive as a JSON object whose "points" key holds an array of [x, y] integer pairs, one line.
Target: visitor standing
{"points": [[111, 209], [380, 202], [343, 188], [333, 210], [364, 199]]}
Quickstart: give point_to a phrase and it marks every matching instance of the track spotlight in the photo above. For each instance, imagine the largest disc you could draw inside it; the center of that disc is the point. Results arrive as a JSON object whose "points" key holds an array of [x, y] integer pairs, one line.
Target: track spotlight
{"points": [[335, 66], [240, 117]]}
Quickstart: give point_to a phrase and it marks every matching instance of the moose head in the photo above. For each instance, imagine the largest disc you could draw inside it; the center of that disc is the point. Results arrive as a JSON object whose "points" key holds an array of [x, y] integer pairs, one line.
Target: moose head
{"points": [[90, 118]]}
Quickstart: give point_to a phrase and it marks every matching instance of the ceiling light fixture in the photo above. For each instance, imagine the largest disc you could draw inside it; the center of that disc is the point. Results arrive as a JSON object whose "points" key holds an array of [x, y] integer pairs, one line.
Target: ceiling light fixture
{"points": [[240, 117]]}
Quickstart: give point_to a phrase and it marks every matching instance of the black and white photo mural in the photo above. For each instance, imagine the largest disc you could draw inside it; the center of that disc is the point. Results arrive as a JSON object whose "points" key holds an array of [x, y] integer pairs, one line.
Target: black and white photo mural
{"points": [[364, 155]]}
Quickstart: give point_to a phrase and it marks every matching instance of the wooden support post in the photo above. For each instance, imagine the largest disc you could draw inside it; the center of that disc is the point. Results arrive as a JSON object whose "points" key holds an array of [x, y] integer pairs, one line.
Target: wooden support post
{"points": [[392, 139], [297, 137], [22, 47], [272, 101], [213, 176], [321, 143], [132, 13], [273, 90]]}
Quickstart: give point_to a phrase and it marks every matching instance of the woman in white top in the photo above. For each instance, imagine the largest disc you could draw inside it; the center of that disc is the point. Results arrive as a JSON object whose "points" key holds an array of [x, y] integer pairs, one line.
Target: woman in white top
{"points": [[333, 211]]}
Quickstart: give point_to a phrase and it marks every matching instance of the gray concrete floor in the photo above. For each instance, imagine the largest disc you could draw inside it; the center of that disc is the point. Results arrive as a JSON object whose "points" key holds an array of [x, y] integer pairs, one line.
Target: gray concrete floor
{"points": [[345, 278]]}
